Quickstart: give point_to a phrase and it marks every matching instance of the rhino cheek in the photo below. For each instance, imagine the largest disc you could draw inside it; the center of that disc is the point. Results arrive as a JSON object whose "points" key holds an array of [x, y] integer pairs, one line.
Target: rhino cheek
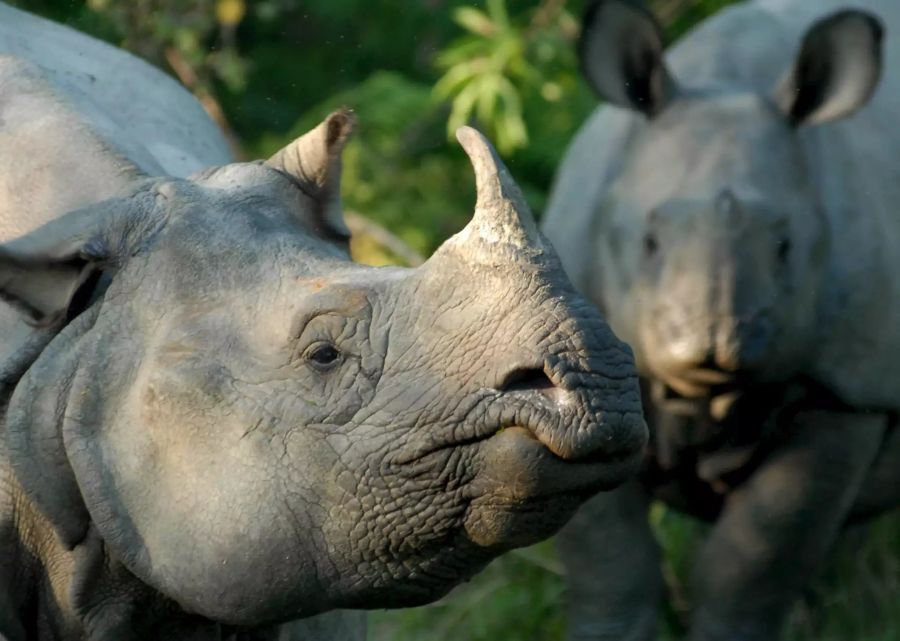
{"points": [[392, 526], [205, 527], [216, 516]]}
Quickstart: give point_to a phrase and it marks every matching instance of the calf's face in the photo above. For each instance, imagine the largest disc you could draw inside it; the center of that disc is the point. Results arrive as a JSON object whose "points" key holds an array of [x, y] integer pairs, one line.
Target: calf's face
{"points": [[712, 241], [262, 430]]}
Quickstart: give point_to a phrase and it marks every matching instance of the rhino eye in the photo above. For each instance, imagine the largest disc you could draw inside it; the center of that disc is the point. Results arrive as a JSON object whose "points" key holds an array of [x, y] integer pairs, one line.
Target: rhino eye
{"points": [[784, 249], [651, 245], [322, 355]]}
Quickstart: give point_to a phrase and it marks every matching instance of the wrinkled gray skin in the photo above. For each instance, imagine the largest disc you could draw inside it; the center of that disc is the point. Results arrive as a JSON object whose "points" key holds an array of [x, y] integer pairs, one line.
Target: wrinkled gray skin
{"points": [[734, 213], [213, 422]]}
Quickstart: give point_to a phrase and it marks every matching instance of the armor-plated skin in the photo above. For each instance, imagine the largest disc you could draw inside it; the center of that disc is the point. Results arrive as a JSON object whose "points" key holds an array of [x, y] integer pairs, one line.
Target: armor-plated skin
{"points": [[213, 422], [734, 215]]}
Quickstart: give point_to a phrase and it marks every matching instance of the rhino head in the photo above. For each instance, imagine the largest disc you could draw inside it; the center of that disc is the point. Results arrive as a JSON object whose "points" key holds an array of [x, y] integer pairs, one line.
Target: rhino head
{"points": [[260, 429], [713, 241]]}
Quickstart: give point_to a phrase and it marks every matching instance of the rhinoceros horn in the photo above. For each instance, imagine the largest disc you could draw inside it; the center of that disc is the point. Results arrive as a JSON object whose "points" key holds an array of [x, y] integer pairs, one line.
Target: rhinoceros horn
{"points": [[502, 229], [314, 161]]}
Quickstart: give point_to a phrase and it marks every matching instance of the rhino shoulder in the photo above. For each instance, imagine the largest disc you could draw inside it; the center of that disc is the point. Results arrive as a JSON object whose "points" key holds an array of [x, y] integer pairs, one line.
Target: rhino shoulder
{"points": [[52, 158], [137, 97]]}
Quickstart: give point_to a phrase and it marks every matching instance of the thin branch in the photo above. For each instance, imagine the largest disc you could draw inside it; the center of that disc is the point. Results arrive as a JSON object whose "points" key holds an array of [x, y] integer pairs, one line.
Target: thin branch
{"points": [[361, 226]]}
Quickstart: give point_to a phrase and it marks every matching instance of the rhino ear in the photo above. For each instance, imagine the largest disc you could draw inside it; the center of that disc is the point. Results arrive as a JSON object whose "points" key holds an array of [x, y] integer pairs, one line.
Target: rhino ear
{"points": [[313, 161], [46, 291], [621, 55], [50, 273], [836, 71]]}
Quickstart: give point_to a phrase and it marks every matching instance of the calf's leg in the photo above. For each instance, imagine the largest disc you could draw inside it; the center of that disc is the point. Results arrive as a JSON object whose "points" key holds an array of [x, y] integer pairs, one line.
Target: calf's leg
{"points": [[777, 528]]}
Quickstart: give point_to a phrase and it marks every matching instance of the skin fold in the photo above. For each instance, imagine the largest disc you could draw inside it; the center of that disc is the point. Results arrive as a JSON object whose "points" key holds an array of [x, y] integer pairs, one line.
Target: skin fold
{"points": [[733, 213], [216, 426]]}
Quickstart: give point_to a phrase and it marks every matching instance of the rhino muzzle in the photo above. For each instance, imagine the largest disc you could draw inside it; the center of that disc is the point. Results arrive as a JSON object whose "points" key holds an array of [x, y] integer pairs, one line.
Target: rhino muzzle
{"points": [[563, 419]]}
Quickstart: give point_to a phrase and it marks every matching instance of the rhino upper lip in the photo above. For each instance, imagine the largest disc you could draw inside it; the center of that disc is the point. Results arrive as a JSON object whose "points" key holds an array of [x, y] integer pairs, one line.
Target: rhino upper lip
{"points": [[522, 450], [536, 473], [594, 457]]}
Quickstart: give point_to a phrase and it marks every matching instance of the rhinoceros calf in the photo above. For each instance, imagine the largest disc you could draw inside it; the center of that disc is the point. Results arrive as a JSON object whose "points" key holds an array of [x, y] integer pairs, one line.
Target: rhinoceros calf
{"points": [[213, 422], [735, 213]]}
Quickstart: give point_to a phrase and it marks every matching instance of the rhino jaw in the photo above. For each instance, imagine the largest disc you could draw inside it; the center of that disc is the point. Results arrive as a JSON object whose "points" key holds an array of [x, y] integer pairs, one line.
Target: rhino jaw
{"points": [[528, 492]]}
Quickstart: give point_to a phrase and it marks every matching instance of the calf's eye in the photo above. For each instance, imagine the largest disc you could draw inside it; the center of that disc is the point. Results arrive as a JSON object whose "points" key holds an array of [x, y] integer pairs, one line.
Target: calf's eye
{"points": [[651, 244], [784, 249]]}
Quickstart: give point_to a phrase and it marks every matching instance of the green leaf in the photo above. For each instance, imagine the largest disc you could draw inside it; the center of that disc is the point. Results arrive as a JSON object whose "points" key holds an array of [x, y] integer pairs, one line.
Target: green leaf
{"points": [[498, 13], [454, 80], [474, 21]]}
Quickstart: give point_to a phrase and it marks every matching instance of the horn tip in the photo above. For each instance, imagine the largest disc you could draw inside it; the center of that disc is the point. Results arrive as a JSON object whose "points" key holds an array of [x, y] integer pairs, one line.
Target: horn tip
{"points": [[466, 133], [478, 148], [470, 138]]}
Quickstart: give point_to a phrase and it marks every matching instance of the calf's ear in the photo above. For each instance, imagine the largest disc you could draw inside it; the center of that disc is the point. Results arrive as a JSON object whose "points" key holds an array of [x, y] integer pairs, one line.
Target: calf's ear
{"points": [[836, 71], [621, 56], [49, 273]]}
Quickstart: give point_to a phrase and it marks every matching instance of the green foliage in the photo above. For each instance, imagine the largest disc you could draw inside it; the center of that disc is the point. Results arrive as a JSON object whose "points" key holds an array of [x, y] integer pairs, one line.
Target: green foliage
{"points": [[487, 70]]}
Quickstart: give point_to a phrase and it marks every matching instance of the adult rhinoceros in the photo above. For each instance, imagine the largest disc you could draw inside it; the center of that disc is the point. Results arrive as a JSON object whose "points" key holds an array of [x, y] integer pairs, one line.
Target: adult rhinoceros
{"points": [[735, 212], [214, 422]]}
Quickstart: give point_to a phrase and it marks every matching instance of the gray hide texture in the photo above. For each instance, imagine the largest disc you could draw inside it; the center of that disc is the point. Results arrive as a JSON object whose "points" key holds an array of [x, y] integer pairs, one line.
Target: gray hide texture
{"points": [[213, 424], [735, 213]]}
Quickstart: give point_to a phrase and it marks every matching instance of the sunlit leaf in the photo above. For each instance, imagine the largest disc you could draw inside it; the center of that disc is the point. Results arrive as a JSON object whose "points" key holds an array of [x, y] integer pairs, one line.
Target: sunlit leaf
{"points": [[498, 13], [462, 108], [475, 21], [230, 12], [454, 80]]}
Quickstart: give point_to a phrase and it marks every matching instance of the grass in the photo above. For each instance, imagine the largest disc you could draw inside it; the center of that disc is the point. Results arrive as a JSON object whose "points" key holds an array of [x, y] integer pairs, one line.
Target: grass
{"points": [[519, 596]]}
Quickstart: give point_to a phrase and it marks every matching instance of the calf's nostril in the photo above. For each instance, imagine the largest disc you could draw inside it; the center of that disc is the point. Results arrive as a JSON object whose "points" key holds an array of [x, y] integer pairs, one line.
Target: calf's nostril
{"points": [[526, 379]]}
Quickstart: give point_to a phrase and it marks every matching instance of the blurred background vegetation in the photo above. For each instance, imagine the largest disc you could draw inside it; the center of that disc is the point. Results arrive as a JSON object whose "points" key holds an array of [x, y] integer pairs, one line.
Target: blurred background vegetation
{"points": [[268, 70]]}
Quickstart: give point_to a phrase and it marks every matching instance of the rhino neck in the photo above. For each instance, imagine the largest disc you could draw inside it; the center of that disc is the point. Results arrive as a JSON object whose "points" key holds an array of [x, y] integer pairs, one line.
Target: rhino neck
{"points": [[62, 570], [28, 543], [83, 593], [17, 514]]}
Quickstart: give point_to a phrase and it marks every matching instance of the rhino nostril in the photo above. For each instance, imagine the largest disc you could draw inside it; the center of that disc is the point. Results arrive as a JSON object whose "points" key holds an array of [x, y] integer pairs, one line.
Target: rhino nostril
{"points": [[526, 379]]}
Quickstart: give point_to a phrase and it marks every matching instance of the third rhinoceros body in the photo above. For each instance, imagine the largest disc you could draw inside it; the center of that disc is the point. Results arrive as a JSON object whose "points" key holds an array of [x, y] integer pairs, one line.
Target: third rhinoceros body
{"points": [[736, 215], [214, 422]]}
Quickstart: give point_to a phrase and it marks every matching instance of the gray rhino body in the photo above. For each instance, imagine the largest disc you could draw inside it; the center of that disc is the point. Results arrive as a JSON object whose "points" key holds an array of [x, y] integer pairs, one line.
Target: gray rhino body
{"points": [[213, 422], [734, 214]]}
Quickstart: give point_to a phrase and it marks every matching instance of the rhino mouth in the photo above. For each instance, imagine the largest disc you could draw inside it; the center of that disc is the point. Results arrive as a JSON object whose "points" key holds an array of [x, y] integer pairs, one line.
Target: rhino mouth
{"points": [[527, 449], [715, 402], [523, 492], [703, 382], [521, 464]]}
